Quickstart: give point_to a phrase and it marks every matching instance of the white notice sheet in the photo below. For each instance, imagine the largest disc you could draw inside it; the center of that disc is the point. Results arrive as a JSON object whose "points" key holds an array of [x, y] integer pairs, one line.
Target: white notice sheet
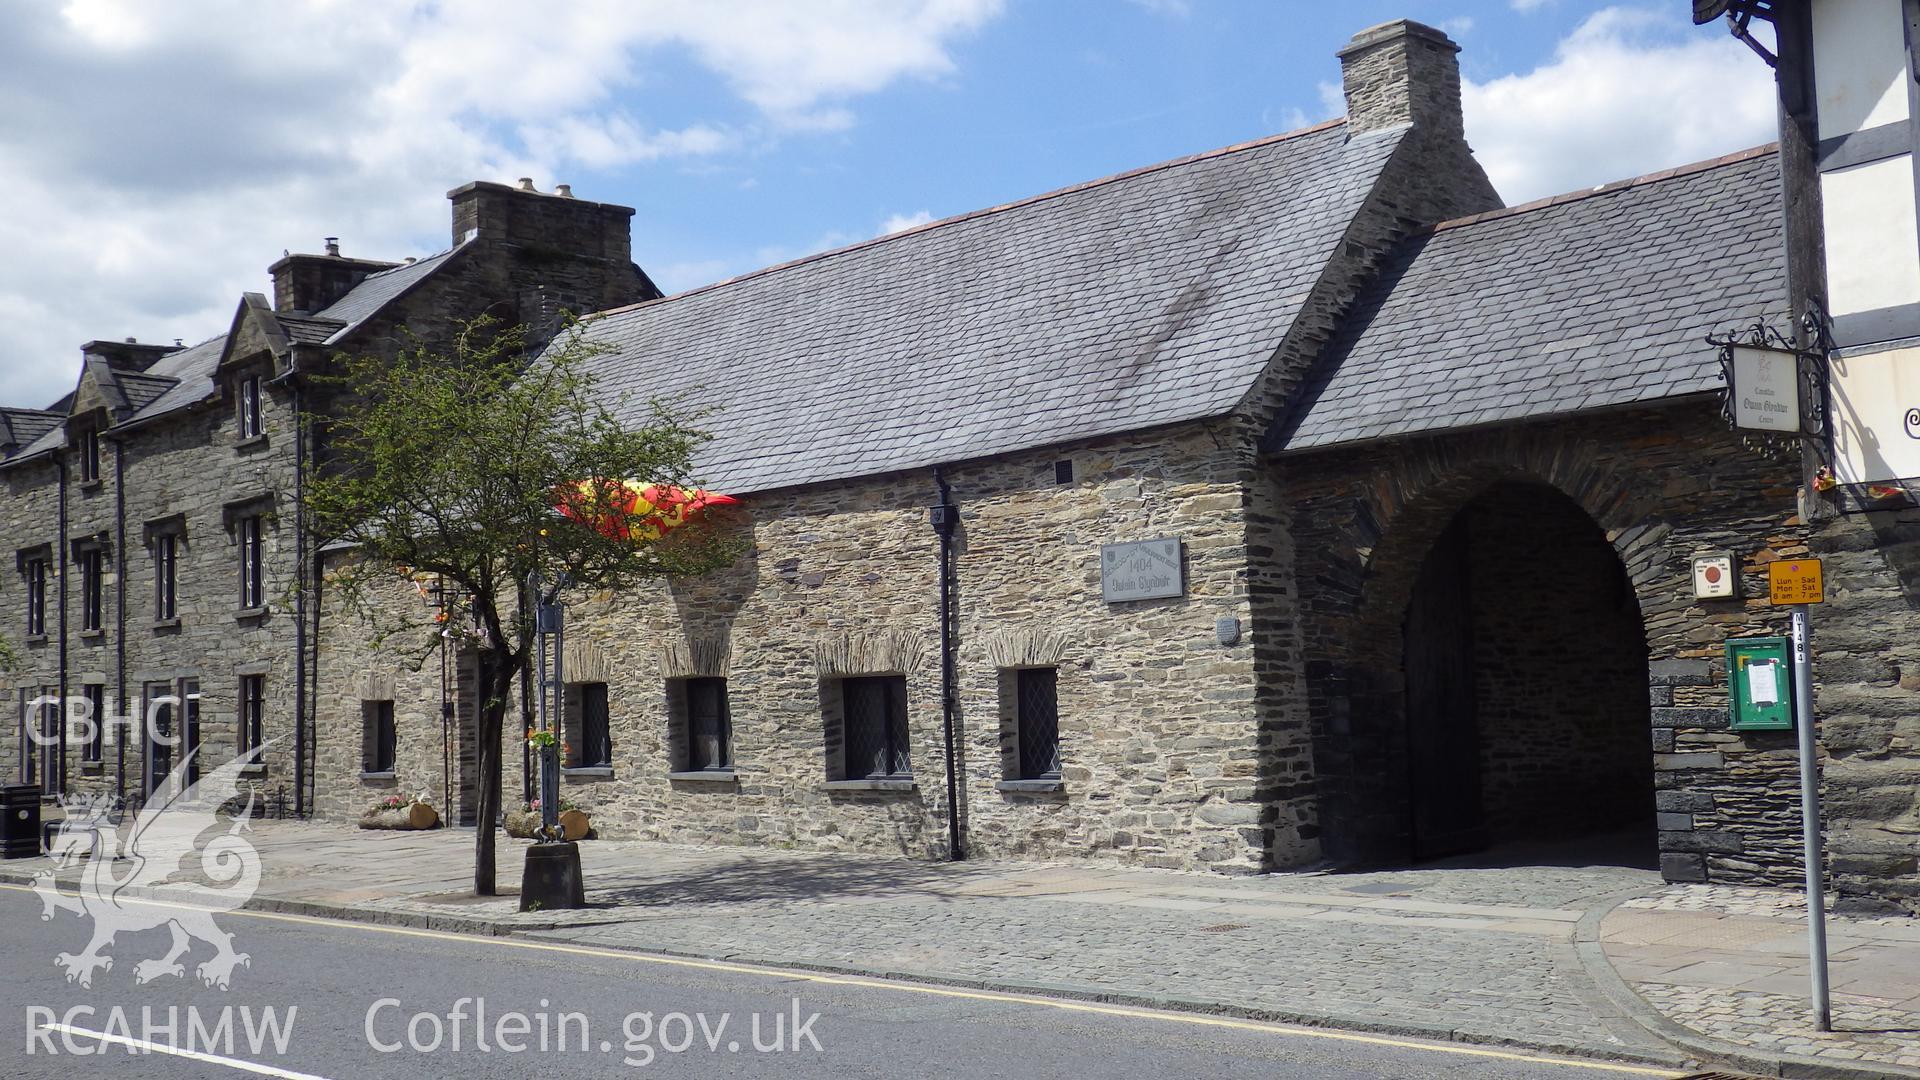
{"points": [[1763, 682]]}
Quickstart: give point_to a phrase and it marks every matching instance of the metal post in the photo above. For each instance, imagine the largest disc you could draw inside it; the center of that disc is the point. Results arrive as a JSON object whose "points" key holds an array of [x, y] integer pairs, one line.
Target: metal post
{"points": [[553, 615], [1810, 818]]}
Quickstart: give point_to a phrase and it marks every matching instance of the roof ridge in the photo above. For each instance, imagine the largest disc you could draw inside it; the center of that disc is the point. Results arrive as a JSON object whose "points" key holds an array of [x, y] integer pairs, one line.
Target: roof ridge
{"points": [[1582, 194], [1071, 189]]}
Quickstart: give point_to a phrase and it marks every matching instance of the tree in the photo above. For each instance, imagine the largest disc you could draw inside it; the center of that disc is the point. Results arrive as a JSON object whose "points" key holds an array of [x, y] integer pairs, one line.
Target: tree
{"points": [[451, 464]]}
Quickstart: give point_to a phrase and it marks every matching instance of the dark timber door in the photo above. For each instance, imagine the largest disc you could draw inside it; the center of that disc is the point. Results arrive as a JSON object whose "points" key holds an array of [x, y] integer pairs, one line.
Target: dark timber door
{"points": [[1443, 738]]}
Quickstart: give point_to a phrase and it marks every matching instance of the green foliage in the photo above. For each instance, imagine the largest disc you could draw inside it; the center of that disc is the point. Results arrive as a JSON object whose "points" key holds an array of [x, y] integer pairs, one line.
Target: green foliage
{"points": [[9, 656], [452, 464]]}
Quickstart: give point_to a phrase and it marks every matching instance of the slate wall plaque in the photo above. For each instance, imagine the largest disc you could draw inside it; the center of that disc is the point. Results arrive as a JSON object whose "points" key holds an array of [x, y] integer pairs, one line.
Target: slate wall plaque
{"points": [[1141, 570]]}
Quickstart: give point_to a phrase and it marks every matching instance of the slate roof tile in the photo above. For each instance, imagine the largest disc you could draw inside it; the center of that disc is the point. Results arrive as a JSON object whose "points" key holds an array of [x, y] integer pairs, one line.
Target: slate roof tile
{"points": [[1609, 293], [1152, 297]]}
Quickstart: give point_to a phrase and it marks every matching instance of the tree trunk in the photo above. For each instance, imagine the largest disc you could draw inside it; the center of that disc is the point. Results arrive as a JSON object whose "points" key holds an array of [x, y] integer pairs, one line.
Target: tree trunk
{"points": [[496, 679]]}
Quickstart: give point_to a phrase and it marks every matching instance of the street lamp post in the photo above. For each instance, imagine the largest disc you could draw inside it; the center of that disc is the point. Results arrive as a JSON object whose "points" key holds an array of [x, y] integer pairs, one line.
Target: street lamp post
{"points": [[552, 877]]}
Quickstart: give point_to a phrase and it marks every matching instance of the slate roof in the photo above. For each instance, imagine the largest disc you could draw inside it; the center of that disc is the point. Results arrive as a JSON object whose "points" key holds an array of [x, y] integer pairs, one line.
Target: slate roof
{"points": [[375, 291], [1148, 298], [22, 427], [1589, 300], [183, 378]]}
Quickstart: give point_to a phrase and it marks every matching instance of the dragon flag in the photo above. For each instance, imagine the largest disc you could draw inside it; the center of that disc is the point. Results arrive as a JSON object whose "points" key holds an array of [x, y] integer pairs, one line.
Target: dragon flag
{"points": [[634, 513]]}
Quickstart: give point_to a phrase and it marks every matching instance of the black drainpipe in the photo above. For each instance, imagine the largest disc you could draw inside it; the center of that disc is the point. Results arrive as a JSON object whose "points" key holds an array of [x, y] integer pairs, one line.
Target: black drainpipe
{"points": [[61, 555], [120, 578], [945, 518], [299, 607]]}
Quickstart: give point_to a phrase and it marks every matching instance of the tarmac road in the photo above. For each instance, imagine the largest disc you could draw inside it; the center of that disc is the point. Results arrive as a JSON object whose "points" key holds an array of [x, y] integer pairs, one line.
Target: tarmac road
{"points": [[355, 1000]]}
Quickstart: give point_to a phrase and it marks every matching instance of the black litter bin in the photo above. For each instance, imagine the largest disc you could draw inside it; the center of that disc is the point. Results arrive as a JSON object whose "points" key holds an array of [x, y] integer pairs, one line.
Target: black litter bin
{"points": [[19, 821]]}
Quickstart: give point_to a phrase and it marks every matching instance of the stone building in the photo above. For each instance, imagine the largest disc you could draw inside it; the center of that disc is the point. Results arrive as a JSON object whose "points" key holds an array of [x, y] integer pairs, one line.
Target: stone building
{"points": [[1296, 504], [160, 566], [1431, 474]]}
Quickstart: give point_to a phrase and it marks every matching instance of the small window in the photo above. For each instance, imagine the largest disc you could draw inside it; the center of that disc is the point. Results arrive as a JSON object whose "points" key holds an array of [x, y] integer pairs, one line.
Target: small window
{"points": [[1037, 723], [1063, 471], [88, 445], [589, 732], [377, 739], [92, 588], [875, 728], [95, 695], [252, 564], [709, 727], [250, 407], [166, 562], [253, 709], [36, 571]]}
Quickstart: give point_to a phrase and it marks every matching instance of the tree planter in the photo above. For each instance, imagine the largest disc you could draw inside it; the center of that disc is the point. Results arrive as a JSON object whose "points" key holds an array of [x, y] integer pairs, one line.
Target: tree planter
{"points": [[416, 816]]}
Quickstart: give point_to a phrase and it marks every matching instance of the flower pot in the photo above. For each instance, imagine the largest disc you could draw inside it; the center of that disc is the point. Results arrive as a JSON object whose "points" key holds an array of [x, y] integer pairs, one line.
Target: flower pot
{"points": [[574, 824]]}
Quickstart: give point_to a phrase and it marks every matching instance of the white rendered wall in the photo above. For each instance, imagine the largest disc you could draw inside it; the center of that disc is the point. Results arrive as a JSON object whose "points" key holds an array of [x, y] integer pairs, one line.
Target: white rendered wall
{"points": [[1859, 64], [1871, 397], [1873, 249]]}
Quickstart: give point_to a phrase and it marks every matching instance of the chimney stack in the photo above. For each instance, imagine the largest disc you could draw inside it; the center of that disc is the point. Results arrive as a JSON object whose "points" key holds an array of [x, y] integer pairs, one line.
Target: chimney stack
{"points": [[1402, 72]]}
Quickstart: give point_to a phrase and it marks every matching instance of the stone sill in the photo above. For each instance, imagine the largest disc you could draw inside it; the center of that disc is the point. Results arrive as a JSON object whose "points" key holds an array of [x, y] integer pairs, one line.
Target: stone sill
{"points": [[93, 635], [705, 776], [92, 768], [251, 442], [249, 613], [256, 770], [36, 639], [1033, 786], [869, 785], [90, 486], [167, 624], [588, 773], [383, 778]]}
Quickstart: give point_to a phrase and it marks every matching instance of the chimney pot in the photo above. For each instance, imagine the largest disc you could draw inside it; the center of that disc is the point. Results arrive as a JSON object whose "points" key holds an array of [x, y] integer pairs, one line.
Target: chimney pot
{"points": [[410, 260], [133, 341], [565, 191], [333, 245], [526, 183]]}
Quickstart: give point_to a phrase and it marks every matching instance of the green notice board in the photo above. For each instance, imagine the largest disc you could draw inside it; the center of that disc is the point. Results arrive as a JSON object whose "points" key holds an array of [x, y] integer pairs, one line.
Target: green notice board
{"points": [[1760, 690]]}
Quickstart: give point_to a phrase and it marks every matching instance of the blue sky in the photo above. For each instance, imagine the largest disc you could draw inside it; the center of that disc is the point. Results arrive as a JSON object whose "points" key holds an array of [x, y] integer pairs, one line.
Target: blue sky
{"points": [[161, 156]]}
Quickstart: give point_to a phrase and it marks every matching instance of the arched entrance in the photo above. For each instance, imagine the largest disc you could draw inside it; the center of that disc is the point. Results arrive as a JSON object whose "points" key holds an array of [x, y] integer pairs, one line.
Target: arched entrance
{"points": [[1525, 700]]}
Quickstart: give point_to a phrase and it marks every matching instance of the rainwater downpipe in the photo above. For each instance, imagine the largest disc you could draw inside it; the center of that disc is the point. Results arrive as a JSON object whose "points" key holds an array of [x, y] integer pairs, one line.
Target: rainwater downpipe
{"points": [[119, 588], [945, 518], [299, 606], [59, 562]]}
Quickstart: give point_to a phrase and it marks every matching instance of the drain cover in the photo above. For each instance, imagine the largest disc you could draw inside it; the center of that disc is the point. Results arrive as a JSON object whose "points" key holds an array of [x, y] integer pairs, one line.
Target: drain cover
{"points": [[1721, 1076], [1223, 928]]}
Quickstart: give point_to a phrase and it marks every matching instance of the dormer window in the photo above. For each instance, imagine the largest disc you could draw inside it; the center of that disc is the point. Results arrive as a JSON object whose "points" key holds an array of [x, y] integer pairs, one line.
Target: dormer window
{"points": [[87, 444], [249, 395]]}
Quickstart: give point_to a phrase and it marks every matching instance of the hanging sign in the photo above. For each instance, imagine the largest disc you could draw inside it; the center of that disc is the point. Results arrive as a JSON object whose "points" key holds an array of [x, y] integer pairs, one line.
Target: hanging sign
{"points": [[1765, 389], [1795, 581]]}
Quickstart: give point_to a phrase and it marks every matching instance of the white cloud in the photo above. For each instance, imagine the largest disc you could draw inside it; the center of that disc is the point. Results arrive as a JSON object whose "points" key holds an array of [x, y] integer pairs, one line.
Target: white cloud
{"points": [[1459, 26], [156, 157], [1630, 91], [1528, 5], [1175, 8], [902, 222]]}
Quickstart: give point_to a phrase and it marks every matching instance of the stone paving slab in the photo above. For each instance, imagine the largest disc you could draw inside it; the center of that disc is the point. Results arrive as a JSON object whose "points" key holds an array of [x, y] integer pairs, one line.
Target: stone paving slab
{"points": [[1731, 963]]}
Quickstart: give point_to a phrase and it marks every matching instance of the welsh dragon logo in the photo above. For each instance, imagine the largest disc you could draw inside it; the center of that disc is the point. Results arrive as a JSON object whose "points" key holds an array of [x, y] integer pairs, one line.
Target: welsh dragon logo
{"points": [[157, 874]]}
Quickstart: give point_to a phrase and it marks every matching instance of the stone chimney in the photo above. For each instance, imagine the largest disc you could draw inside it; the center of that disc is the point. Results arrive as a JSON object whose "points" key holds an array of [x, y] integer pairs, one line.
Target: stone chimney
{"points": [[1402, 72], [127, 355], [303, 284], [1405, 73], [532, 218]]}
